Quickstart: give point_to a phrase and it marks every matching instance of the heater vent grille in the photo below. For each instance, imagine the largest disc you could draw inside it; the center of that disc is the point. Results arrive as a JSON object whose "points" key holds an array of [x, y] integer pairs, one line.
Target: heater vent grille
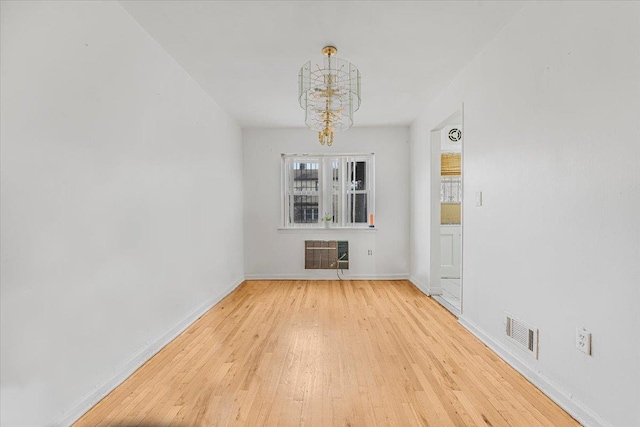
{"points": [[522, 335]]}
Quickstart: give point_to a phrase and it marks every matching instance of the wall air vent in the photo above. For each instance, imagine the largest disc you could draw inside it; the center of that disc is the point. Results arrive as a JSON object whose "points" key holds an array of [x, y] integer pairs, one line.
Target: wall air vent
{"points": [[327, 255], [455, 135], [522, 335]]}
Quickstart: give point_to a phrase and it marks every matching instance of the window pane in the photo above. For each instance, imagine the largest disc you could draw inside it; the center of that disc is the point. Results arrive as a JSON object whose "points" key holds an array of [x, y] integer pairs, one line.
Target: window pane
{"points": [[305, 209], [358, 175], [305, 176], [358, 212], [450, 189]]}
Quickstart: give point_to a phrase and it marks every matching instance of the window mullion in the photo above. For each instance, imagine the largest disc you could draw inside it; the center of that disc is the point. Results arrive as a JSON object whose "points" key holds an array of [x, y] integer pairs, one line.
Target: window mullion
{"points": [[290, 191], [284, 192], [327, 185], [322, 205], [340, 191], [352, 198], [343, 192], [370, 187]]}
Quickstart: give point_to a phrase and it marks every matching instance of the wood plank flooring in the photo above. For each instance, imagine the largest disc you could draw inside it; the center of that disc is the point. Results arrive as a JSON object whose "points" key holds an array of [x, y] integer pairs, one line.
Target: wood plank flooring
{"points": [[326, 353]]}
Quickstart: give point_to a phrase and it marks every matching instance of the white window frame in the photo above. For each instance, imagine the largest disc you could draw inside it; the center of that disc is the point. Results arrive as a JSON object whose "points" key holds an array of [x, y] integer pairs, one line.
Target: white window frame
{"points": [[325, 189]]}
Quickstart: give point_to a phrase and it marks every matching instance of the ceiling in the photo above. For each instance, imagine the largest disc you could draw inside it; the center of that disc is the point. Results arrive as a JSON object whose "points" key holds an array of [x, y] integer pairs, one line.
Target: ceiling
{"points": [[246, 55]]}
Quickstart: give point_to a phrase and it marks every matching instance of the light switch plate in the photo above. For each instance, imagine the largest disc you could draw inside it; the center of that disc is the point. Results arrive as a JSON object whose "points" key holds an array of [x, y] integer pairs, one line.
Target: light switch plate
{"points": [[479, 199]]}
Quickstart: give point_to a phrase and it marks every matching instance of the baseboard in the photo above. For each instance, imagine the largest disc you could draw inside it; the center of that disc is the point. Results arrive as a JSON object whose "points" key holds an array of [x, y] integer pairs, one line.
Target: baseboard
{"points": [[139, 358], [561, 397], [427, 290], [447, 305], [330, 275], [435, 290], [420, 285]]}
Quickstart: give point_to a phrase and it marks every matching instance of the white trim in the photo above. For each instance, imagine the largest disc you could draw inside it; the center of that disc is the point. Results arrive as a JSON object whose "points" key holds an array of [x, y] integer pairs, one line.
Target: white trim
{"points": [[283, 193], [126, 369], [326, 275], [323, 229], [420, 285], [435, 290], [447, 305], [426, 289], [561, 397]]}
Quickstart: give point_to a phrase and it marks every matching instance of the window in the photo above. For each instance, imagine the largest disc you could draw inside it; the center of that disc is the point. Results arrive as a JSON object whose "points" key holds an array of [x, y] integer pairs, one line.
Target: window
{"points": [[451, 180], [340, 187], [451, 189]]}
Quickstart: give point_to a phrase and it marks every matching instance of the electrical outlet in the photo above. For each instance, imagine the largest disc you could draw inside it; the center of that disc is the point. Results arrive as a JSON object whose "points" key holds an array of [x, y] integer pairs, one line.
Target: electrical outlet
{"points": [[370, 252], [583, 340]]}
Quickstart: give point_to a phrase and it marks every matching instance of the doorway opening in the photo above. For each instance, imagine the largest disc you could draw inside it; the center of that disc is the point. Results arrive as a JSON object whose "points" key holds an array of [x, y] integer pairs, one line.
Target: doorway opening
{"points": [[446, 212]]}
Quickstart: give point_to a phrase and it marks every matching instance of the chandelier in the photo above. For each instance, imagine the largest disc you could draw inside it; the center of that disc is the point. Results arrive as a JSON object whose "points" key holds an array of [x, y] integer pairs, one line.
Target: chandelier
{"points": [[329, 93]]}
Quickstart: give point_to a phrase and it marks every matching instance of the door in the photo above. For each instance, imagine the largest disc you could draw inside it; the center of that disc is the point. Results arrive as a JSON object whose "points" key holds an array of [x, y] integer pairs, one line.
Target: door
{"points": [[450, 251]]}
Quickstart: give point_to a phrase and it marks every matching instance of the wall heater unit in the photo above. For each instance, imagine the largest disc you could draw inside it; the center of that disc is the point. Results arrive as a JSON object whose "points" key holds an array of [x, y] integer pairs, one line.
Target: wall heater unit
{"points": [[522, 335], [326, 255]]}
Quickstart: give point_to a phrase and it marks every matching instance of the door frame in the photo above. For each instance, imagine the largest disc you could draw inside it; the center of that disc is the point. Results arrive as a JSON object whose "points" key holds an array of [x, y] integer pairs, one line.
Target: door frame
{"points": [[435, 284]]}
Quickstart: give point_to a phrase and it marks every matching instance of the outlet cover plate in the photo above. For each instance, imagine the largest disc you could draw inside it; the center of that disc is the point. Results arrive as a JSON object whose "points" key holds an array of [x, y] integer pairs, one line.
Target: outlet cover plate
{"points": [[583, 340]]}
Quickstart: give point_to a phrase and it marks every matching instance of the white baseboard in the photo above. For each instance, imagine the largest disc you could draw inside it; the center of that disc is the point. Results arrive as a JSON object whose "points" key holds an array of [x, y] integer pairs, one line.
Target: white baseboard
{"points": [[420, 285], [447, 305], [435, 290], [328, 276], [139, 358], [564, 399]]}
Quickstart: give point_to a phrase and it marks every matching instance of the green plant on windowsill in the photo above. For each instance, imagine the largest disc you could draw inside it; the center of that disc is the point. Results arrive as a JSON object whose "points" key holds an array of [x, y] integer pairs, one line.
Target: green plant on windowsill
{"points": [[327, 219]]}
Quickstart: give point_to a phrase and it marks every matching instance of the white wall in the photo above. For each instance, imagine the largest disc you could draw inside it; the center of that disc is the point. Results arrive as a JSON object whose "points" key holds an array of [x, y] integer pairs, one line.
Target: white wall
{"points": [[116, 231], [273, 253], [552, 138]]}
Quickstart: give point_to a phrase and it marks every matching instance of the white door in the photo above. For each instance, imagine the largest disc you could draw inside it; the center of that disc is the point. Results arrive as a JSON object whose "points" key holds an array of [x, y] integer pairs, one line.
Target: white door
{"points": [[450, 251]]}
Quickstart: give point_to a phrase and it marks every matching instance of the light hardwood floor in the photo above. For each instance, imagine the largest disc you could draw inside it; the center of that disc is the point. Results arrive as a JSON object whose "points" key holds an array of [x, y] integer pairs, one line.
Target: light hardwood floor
{"points": [[326, 353]]}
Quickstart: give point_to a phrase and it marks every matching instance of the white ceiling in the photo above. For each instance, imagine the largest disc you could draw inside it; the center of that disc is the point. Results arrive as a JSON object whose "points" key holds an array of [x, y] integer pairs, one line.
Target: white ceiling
{"points": [[246, 55]]}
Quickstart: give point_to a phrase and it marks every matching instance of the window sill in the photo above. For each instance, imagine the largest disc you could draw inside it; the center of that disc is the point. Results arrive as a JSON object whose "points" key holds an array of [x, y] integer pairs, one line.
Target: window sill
{"points": [[325, 229]]}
